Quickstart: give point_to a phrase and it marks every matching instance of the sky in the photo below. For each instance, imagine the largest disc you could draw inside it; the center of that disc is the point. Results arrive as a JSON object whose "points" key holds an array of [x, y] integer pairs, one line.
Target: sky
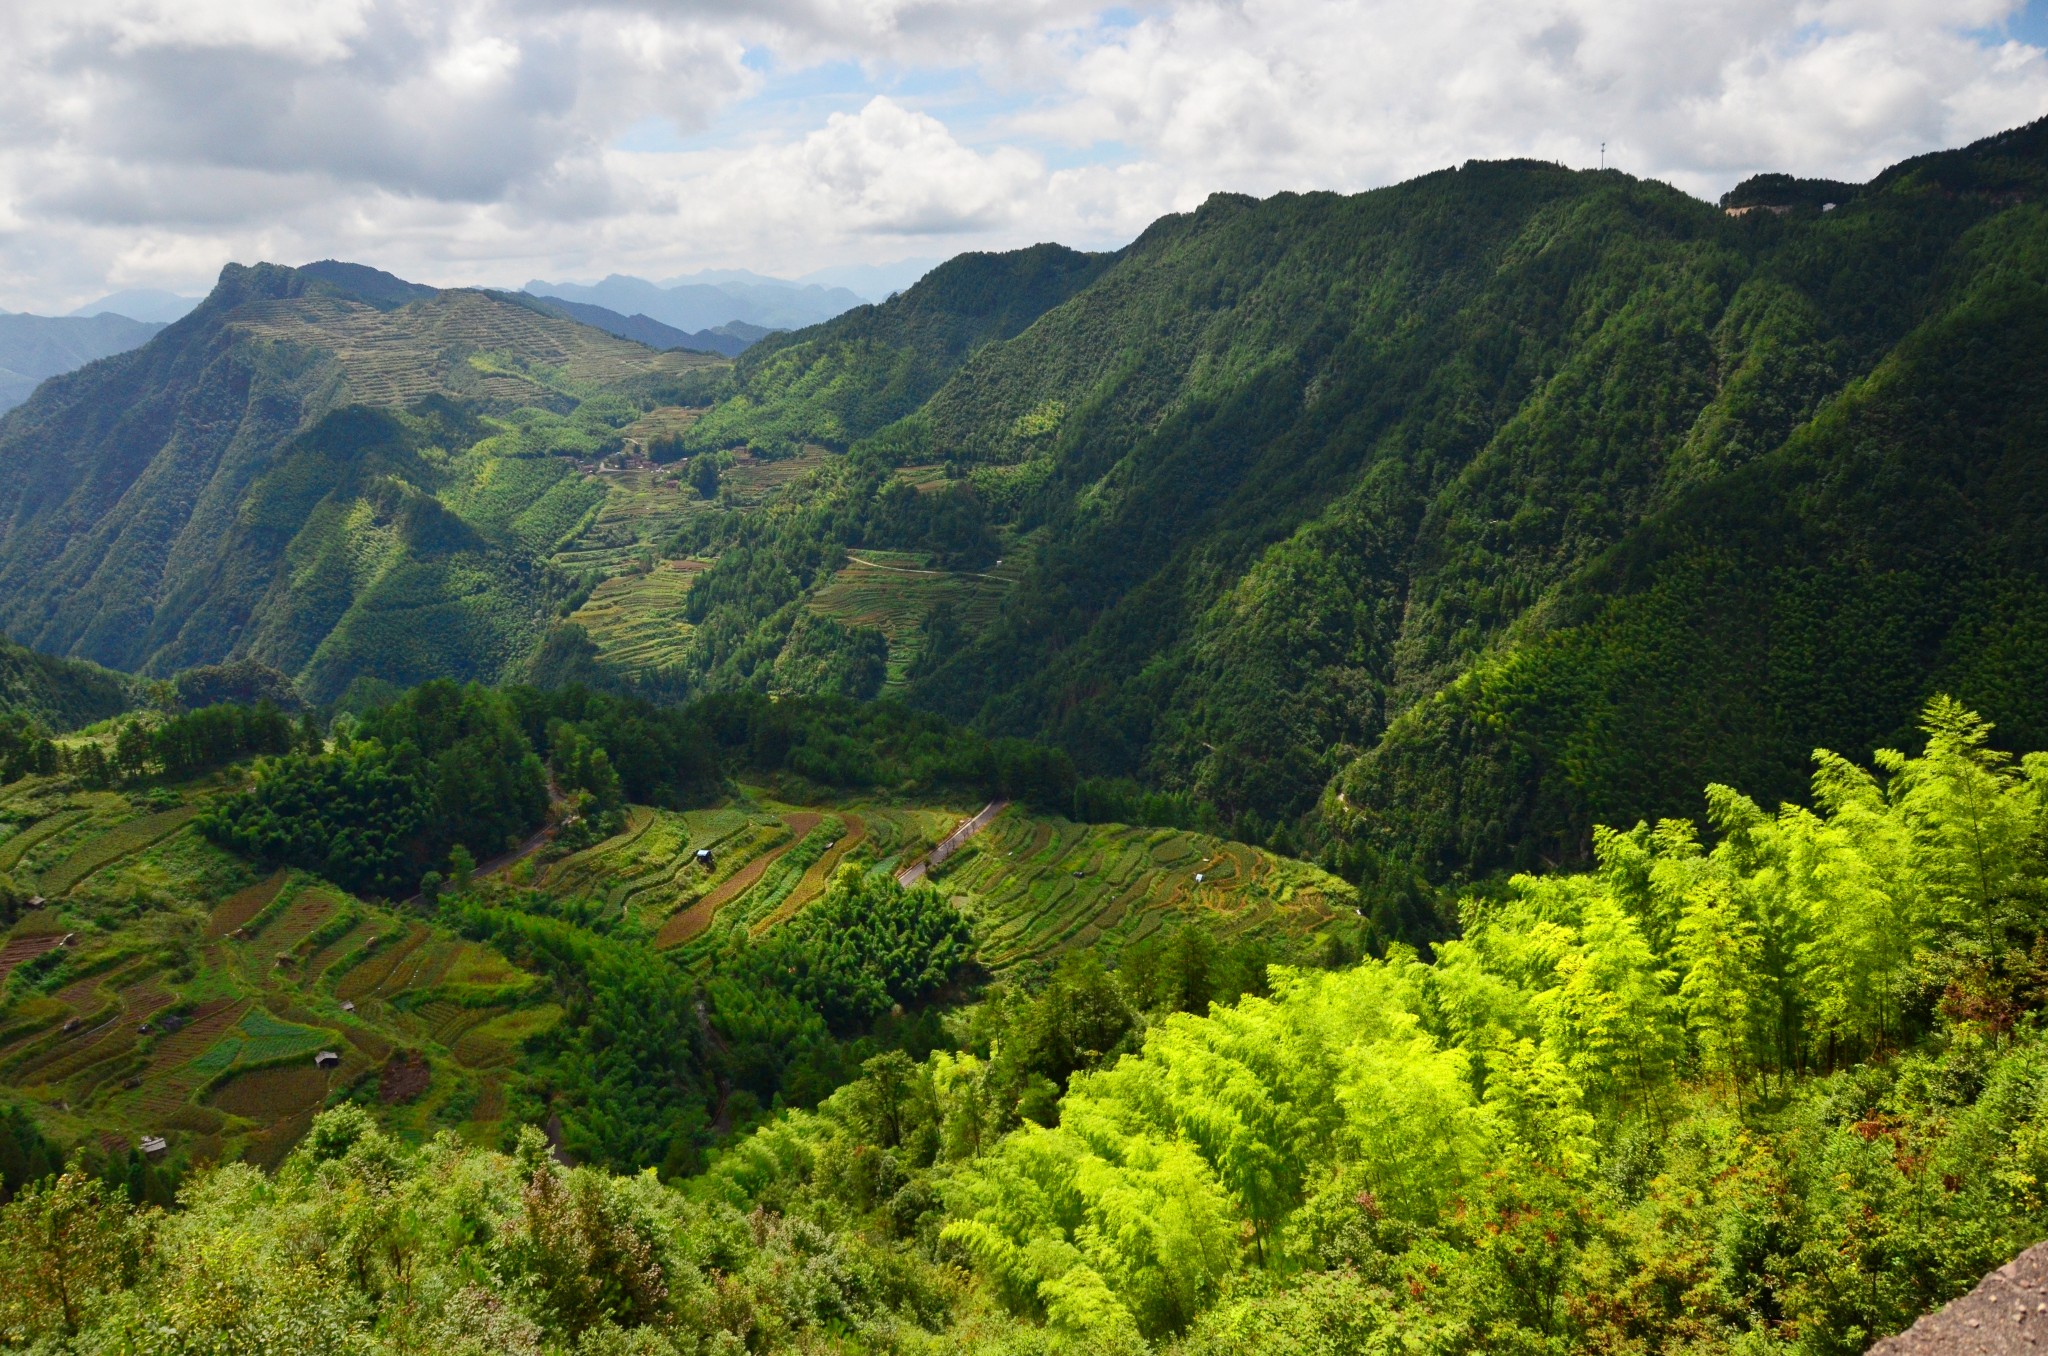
{"points": [[144, 143]]}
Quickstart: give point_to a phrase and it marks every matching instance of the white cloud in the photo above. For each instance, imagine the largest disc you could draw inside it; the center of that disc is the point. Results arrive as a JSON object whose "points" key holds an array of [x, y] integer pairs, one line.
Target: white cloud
{"points": [[142, 142]]}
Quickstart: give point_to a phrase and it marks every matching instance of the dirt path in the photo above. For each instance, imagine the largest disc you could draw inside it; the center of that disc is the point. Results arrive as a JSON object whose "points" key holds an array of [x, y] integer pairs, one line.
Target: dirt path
{"points": [[546, 835], [693, 920], [939, 574], [916, 871]]}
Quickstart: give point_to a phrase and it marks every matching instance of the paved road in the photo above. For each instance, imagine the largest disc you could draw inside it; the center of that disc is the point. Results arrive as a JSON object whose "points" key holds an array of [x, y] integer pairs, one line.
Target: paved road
{"points": [[915, 872], [2006, 1313]]}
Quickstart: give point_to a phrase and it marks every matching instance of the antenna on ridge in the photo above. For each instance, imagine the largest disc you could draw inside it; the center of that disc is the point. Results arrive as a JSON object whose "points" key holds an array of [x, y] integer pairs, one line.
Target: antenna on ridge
{"points": [[1603, 155]]}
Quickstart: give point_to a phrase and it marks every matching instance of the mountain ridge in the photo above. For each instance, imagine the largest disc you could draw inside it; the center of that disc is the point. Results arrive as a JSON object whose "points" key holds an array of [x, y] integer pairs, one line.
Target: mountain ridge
{"points": [[174, 505]]}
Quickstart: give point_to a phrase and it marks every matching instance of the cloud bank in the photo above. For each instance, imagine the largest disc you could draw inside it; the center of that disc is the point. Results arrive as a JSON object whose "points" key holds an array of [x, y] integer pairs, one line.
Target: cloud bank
{"points": [[145, 142]]}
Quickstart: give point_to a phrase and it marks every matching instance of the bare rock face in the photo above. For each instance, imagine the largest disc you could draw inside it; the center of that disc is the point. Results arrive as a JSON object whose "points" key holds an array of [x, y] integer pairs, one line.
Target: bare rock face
{"points": [[2006, 1313]]}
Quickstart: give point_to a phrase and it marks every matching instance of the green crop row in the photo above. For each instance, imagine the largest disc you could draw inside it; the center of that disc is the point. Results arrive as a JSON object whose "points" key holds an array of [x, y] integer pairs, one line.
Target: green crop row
{"points": [[15, 848], [109, 847]]}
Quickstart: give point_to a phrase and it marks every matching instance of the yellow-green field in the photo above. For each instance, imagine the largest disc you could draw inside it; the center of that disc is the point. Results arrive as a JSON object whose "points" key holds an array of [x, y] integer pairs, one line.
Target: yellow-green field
{"points": [[636, 619]]}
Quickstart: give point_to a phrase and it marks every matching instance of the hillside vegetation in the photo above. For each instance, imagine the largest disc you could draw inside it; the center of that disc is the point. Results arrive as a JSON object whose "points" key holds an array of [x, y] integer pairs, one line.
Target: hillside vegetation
{"points": [[1408, 526], [1771, 1084], [325, 469]]}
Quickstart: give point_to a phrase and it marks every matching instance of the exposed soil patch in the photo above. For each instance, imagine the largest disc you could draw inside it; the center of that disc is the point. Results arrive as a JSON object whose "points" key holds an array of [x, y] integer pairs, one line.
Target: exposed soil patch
{"points": [[25, 948], [2006, 1313], [406, 1075], [273, 1094], [239, 907], [815, 880]]}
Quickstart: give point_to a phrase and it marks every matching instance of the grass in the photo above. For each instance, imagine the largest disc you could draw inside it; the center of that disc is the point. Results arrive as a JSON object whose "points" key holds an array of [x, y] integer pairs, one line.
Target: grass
{"points": [[260, 1038]]}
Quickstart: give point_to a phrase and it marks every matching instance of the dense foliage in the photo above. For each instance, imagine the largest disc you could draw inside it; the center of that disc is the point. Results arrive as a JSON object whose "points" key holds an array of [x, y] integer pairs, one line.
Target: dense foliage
{"points": [[864, 948], [652, 1054], [1778, 1089], [58, 694], [442, 766]]}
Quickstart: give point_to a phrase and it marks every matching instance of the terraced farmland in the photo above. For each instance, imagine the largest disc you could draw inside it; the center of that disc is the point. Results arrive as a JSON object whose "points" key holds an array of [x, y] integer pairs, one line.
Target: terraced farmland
{"points": [[197, 1017], [893, 591], [635, 613], [1039, 887], [636, 619], [736, 874]]}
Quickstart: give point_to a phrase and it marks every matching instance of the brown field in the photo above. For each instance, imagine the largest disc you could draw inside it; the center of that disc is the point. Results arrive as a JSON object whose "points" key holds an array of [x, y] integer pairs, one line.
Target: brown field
{"points": [[272, 1094], [682, 926], [25, 948], [814, 881], [239, 907]]}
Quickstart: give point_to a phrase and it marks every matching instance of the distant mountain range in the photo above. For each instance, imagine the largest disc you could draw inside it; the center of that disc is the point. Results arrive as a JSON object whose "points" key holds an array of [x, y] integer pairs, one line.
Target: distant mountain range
{"points": [[141, 303], [33, 347], [691, 305], [730, 339]]}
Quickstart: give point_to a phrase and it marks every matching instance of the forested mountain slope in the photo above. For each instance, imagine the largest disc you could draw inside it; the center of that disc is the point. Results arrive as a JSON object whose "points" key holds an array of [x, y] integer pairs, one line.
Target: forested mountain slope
{"points": [[267, 479], [59, 694], [1280, 471], [33, 347], [848, 377]]}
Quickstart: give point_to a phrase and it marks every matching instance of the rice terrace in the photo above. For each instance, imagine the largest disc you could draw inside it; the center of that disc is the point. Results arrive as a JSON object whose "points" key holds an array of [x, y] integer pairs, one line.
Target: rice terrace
{"points": [[219, 1054]]}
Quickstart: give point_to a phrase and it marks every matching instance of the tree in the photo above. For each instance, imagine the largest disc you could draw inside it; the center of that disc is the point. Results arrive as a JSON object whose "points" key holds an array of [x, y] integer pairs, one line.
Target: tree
{"points": [[132, 749], [63, 1242], [704, 474]]}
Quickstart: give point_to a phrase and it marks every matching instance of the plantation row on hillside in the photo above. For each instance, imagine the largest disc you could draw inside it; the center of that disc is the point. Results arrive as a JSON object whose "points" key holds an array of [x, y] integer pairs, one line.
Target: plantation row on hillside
{"points": [[179, 937]]}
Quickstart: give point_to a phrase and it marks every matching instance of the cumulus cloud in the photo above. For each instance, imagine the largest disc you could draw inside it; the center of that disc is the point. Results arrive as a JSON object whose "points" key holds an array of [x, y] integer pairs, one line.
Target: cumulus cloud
{"points": [[142, 142]]}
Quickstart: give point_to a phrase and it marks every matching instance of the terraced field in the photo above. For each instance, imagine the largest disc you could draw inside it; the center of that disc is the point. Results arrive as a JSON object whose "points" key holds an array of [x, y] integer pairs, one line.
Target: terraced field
{"points": [[635, 613], [893, 591], [1039, 887], [198, 1016], [459, 342], [736, 874], [637, 619]]}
